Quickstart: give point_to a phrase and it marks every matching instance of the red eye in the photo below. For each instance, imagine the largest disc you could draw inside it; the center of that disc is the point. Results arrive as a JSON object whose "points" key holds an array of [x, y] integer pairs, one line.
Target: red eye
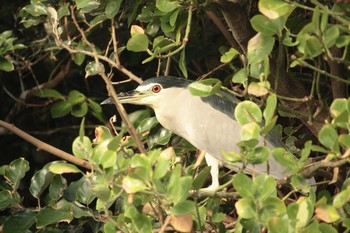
{"points": [[156, 88]]}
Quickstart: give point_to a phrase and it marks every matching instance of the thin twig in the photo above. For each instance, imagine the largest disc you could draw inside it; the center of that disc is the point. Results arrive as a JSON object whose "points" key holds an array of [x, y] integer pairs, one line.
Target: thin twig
{"points": [[304, 63], [165, 224]]}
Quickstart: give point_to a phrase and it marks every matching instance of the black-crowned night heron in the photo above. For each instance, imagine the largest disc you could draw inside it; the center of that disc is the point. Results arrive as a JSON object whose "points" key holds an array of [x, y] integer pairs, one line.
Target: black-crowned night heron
{"points": [[208, 123]]}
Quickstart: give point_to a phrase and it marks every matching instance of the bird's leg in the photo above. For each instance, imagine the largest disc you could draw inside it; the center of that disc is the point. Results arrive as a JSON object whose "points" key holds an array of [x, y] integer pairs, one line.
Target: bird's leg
{"points": [[214, 172]]}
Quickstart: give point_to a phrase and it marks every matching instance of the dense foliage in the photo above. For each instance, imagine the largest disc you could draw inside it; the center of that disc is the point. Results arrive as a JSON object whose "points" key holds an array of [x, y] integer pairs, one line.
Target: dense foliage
{"points": [[286, 60]]}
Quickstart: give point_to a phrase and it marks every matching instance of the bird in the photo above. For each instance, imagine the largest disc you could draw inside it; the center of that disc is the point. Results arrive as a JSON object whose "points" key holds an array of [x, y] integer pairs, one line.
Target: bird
{"points": [[208, 123]]}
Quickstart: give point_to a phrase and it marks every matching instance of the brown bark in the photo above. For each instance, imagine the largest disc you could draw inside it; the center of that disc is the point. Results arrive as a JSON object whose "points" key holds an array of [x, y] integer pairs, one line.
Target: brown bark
{"points": [[339, 89]]}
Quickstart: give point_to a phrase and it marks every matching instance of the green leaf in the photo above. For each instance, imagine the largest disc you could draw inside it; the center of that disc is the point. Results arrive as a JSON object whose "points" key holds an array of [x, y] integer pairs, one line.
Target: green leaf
{"points": [[182, 63], [259, 47], [36, 9], [160, 137], [19, 222], [240, 76], [271, 207], [328, 137], [218, 217], [313, 46], [324, 21], [94, 106], [261, 154], [80, 110], [166, 5], [200, 179], [138, 116], [161, 42], [331, 35], [114, 144], [183, 207], [103, 156], [229, 55], [79, 58], [147, 124], [182, 189], [262, 24], [49, 215], [82, 129], [327, 228], [137, 43], [87, 5], [8, 199], [133, 185], [93, 68], [60, 109], [298, 182], [161, 168], [141, 222], [112, 8], [243, 185], [174, 177], [49, 93], [338, 106], [341, 198], [275, 8], [63, 10], [16, 171], [57, 188], [63, 167], [269, 111], [109, 227], [284, 157], [250, 131], [40, 181], [232, 157], [301, 212], [342, 41], [344, 140], [173, 17], [83, 190], [247, 112], [204, 88], [246, 208], [5, 65], [265, 186], [278, 224], [82, 148], [316, 18]]}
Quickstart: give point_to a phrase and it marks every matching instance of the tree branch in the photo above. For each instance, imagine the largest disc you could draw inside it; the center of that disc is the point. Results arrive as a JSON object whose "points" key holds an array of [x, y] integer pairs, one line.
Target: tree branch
{"points": [[44, 146], [237, 20]]}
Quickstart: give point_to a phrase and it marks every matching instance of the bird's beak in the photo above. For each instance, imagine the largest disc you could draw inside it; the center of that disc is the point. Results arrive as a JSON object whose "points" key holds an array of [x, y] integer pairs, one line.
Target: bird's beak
{"points": [[130, 97]]}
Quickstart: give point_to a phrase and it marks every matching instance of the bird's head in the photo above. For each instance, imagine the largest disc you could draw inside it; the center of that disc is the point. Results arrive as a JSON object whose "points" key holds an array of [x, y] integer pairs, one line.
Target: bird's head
{"points": [[152, 92]]}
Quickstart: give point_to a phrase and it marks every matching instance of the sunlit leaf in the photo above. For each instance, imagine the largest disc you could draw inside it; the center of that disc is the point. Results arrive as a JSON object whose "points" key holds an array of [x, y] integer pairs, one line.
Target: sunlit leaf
{"points": [[62, 167], [246, 208], [138, 43], [205, 87], [275, 8], [229, 55], [247, 112]]}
